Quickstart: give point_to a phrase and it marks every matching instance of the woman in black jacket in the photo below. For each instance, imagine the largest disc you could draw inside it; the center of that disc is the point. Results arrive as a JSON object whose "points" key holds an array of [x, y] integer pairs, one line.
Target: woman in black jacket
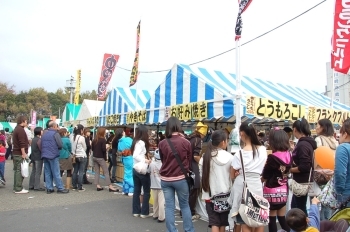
{"points": [[99, 157], [302, 160]]}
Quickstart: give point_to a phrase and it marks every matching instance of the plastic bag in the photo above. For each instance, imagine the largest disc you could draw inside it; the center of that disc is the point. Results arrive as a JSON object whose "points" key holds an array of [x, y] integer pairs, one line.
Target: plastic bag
{"points": [[25, 168]]}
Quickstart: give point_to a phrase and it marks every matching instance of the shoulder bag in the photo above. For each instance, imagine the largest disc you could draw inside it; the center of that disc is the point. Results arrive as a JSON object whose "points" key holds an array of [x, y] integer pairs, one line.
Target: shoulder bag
{"points": [[254, 209], [302, 189], [190, 175]]}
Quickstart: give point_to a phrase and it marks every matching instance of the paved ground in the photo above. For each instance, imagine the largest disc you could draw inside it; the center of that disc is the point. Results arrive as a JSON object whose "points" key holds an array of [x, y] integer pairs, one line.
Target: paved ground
{"points": [[86, 211]]}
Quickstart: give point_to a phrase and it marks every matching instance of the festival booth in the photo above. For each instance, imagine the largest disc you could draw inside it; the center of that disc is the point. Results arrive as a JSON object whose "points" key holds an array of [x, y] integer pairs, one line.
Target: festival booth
{"points": [[70, 114], [197, 94], [119, 102], [114, 112], [89, 109]]}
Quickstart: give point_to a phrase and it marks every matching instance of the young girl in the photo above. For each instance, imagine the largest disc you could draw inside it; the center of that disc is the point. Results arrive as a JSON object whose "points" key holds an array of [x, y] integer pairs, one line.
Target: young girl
{"points": [[215, 168], [254, 158], [2, 161], [275, 175], [157, 192]]}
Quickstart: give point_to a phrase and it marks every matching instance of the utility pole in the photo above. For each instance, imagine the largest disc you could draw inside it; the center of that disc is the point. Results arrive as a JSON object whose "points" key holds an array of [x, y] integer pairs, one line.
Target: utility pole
{"points": [[70, 85]]}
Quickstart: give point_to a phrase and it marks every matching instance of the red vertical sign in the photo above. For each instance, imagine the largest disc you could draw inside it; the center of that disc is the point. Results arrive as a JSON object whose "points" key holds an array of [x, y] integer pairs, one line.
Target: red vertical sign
{"points": [[109, 63], [340, 57]]}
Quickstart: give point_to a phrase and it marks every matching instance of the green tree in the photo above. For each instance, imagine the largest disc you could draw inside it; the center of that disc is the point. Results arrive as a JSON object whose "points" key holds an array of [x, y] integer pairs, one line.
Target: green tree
{"points": [[90, 95], [58, 101], [7, 99], [37, 99]]}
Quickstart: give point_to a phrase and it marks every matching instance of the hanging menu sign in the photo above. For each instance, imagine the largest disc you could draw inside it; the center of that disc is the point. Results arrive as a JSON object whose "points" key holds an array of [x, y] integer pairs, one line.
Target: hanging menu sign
{"points": [[188, 111], [262, 107], [335, 116]]}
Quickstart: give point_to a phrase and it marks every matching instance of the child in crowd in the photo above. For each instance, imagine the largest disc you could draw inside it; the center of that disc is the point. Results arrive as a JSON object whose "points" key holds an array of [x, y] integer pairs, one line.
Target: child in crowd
{"points": [[2, 161], [298, 221], [156, 189]]}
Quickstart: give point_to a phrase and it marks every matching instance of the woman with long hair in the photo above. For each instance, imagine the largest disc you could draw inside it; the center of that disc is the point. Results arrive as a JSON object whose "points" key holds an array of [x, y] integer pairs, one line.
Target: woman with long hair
{"points": [[325, 137], [79, 150], [123, 146], [254, 158], [99, 156], [215, 166], [303, 155], [172, 178], [342, 165], [275, 175], [113, 154], [139, 150], [65, 157]]}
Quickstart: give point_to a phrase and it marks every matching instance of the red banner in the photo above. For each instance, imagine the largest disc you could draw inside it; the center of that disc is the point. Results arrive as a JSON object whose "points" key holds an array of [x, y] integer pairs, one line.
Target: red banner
{"points": [[340, 57], [135, 68], [109, 63]]}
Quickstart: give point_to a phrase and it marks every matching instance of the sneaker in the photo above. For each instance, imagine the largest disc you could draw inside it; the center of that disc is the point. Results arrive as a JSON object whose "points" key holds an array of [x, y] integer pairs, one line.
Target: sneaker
{"points": [[63, 191], [22, 191], [81, 189], [160, 221], [2, 181], [74, 188], [136, 215], [146, 216], [130, 194]]}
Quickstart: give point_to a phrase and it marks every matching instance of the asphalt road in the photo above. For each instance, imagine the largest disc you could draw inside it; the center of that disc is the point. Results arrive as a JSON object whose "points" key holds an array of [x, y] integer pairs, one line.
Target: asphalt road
{"points": [[85, 211]]}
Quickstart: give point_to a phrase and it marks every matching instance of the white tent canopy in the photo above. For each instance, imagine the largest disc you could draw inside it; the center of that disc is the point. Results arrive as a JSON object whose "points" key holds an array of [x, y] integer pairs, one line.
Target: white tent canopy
{"points": [[89, 108]]}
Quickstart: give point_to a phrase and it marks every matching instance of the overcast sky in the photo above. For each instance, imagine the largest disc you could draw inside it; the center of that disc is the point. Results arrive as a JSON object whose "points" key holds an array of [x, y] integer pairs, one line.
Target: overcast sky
{"points": [[43, 42]]}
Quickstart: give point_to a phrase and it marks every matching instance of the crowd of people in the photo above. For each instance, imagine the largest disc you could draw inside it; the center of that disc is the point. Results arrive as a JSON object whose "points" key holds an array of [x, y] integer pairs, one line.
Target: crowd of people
{"points": [[218, 170]]}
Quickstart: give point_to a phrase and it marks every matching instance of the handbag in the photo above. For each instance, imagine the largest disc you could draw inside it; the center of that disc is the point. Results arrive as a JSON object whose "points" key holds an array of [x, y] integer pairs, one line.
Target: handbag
{"points": [[315, 190], [322, 176], [141, 168], [302, 189], [189, 176], [254, 209], [277, 195], [220, 203], [328, 196]]}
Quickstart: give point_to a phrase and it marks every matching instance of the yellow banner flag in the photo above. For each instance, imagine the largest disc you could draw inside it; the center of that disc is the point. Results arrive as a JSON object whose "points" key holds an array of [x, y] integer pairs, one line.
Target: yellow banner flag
{"points": [[77, 88]]}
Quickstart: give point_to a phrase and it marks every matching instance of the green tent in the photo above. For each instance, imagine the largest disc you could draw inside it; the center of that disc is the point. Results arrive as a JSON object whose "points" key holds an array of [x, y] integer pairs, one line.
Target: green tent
{"points": [[71, 112]]}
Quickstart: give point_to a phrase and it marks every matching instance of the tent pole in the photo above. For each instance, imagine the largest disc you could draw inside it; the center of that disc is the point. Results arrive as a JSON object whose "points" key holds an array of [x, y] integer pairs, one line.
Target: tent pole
{"points": [[238, 85]]}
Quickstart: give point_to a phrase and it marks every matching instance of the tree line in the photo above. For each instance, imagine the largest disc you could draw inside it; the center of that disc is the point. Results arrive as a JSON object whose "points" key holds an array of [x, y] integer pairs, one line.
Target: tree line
{"points": [[14, 104]]}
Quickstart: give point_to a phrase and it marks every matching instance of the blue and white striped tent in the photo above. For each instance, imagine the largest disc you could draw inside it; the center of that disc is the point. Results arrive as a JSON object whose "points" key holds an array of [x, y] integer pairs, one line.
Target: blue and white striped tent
{"points": [[184, 84], [123, 100]]}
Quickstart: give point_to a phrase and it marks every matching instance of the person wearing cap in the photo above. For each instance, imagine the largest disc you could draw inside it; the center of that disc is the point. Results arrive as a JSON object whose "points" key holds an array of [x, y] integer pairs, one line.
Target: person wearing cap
{"points": [[196, 145]]}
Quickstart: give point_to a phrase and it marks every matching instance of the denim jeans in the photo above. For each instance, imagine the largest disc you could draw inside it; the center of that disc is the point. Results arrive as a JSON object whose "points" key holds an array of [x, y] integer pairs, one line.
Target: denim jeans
{"points": [[182, 192], [325, 213], [145, 182], [78, 173], [2, 168], [52, 172]]}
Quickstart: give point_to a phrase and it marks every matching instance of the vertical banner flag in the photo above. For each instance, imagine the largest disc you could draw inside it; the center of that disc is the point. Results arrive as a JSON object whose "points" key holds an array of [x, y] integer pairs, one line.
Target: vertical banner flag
{"points": [[33, 119], [243, 5], [109, 63], [340, 57], [135, 68], [77, 88]]}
